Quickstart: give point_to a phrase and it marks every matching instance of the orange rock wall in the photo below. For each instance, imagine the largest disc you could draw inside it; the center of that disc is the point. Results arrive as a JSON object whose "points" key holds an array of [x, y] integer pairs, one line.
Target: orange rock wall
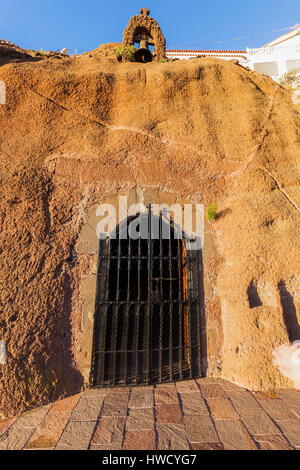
{"points": [[76, 132]]}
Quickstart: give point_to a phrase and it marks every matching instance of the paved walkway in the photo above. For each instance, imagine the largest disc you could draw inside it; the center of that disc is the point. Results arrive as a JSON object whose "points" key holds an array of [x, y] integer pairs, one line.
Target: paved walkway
{"points": [[201, 414]]}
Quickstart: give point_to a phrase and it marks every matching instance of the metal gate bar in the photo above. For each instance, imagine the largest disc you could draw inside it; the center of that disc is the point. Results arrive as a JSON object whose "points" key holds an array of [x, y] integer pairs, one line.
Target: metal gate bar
{"points": [[147, 313]]}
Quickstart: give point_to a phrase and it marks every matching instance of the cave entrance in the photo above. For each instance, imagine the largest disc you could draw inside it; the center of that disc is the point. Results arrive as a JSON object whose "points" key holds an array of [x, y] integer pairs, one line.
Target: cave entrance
{"points": [[147, 319]]}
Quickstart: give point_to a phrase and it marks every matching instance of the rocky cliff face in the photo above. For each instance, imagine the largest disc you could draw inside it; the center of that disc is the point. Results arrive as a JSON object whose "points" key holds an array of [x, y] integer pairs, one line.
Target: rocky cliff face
{"points": [[75, 132]]}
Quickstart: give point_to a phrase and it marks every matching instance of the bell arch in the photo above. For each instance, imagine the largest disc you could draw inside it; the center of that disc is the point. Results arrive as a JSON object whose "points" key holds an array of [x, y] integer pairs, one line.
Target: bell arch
{"points": [[145, 23]]}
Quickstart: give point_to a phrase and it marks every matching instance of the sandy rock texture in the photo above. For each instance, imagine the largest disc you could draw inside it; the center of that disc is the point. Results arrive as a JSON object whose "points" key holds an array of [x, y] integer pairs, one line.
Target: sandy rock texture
{"points": [[76, 131], [107, 51]]}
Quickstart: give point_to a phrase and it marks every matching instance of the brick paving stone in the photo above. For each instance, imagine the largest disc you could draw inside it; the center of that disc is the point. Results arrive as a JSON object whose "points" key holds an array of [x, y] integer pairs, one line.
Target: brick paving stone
{"points": [[167, 414], [291, 398], [6, 424], [259, 423], [200, 429], [296, 410], [115, 404], [272, 443], [207, 446], [109, 431], [87, 409], [187, 386], [244, 402], [140, 440], [76, 436], [64, 406], [140, 419], [172, 437], [95, 392], [15, 438], [207, 380], [212, 391], [119, 392], [123, 389], [234, 435], [228, 386], [166, 394], [277, 409], [193, 404], [264, 417], [48, 433], [165, 386], [291, 430], [221, 408], [145, 387], [122, 394], [141, 398], [32, 418]]}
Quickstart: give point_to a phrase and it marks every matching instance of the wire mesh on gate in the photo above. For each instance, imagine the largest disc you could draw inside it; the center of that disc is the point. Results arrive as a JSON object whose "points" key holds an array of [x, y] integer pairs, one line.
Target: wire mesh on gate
{"points": [[147, 314]]}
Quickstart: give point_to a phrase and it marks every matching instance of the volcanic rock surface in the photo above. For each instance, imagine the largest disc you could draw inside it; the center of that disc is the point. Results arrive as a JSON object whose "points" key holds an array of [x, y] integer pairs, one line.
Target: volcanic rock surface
{"points": [[76, 130]]}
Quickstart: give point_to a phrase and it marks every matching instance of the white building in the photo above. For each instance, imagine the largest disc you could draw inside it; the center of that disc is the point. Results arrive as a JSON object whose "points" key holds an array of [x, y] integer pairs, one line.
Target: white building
{"points": [[241, 56], [274, 59], [277, 57]]}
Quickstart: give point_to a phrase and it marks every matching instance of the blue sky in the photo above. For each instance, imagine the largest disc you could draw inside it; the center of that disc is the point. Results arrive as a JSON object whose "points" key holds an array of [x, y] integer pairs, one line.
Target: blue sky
{"points": [[193, 24]]}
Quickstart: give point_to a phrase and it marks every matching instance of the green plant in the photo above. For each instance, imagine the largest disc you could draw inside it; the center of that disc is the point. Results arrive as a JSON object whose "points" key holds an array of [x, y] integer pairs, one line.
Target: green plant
{"points": [[211, 212], [289, 78], [118, 51], [125, 53], [163, 60]]}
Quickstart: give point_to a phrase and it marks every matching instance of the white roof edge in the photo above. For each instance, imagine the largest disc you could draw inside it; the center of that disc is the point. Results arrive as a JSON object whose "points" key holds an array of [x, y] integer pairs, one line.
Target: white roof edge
{"points": [[284, 37]]}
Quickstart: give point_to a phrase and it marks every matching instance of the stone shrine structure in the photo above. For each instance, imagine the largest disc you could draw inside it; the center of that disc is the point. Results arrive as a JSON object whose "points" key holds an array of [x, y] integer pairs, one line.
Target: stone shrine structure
{"points": [[144, 28]]}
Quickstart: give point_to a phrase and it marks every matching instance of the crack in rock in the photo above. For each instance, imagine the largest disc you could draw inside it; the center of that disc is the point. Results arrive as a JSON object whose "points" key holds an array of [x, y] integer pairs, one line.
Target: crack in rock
{"points": [[122, 128], [280, 188]]}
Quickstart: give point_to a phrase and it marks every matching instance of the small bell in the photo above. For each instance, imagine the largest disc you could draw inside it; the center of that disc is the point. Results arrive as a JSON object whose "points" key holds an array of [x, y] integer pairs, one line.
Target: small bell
{"points": [[143, 54], [144, 44]]}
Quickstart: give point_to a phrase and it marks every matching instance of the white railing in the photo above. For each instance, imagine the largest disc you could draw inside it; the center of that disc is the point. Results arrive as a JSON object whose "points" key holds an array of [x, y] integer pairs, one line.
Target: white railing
{"points": [[287, 50]]}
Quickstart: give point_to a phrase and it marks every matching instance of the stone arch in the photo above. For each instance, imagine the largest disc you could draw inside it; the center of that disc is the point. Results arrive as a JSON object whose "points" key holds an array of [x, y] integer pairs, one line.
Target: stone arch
{"points": [[87, 249], [138, 22], [147, 310]]}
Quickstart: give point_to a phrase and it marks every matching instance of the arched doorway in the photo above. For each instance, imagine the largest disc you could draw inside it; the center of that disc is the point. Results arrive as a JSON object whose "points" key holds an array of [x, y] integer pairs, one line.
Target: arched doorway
{"points": [[147, 318]]}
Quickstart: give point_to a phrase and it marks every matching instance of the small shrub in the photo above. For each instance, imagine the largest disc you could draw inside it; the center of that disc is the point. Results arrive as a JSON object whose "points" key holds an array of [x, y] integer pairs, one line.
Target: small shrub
{"points": [[163, 60], [289, 78], [118, 51], [41, 52], [125, 53], [211, 212]]}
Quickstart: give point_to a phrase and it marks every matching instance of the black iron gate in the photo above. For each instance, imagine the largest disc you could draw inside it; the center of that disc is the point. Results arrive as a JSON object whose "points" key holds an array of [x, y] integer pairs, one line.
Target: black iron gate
{"points": [[147, 315]]}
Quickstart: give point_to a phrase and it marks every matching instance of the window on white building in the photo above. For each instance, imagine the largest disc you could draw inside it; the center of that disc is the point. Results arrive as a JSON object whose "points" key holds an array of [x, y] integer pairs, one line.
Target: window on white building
{"points": [[293, 65], [269, 68]]}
